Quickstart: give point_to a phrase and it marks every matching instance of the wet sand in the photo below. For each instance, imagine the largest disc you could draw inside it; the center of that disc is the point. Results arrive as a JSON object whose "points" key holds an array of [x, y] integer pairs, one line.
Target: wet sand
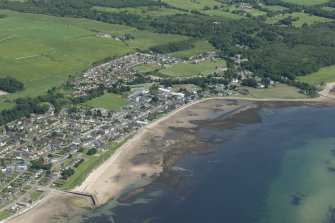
{"points": [[149, 155]]}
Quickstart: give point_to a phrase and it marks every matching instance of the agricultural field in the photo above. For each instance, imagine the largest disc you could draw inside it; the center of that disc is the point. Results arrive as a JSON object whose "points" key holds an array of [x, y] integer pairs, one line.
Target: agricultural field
{"points": [[306, 2], [192, 4], [276, 91], [224, 14], [325, 74], [252, 11], [303, 18], [108, 101], [42, 51], [188, 70], [199, 47], [274, 8], [331, 9], [154, 11]]}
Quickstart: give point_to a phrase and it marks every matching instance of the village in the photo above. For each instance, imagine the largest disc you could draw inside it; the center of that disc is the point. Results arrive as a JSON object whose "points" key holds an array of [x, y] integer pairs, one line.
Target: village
{"points": [[38, 153]]}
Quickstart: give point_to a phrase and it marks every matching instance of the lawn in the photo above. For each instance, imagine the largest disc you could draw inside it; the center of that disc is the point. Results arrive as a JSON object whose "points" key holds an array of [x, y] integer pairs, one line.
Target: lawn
{"points": [[306, 2], [42, 51], [303, 18], [200, 47], [5, 214], [188, 70], [36, 195], [277, 91], [108, 101], [325, 74], [90, 163], [146, 68]]}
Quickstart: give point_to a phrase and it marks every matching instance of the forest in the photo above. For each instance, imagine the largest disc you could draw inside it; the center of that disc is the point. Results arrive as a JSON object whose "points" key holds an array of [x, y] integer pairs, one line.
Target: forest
{"points": [[10, 85]]}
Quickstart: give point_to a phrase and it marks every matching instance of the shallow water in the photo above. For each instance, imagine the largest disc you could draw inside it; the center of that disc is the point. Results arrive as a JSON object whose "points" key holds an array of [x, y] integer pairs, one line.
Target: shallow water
{"points": [[279, 170]]}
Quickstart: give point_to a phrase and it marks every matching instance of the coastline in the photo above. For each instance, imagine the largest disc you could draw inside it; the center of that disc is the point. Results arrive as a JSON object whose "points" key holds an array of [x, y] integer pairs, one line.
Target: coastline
{"points": [[118, 175]]}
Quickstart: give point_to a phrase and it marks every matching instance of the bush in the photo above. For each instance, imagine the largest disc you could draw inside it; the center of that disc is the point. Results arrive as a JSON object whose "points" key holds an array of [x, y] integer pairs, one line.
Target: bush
{"points": [[92, 151]]}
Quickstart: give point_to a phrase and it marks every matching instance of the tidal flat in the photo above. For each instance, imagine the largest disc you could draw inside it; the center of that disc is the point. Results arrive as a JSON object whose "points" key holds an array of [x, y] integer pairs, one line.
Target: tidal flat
{"points": [[230, 161]]}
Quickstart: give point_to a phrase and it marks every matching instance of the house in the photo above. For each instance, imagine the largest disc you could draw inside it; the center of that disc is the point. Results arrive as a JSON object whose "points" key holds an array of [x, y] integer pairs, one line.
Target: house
{"points": [[21, 168]]}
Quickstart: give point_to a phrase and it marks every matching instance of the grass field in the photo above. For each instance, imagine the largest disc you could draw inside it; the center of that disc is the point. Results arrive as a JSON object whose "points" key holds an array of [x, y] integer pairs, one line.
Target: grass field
{"points": [[36, 195], [275, 8], [306, 2], [325, 74], [155, 11], [42, 51], [90, 163], [329, 9], [252, 11], [5, 214], [189, 5], [200, 47], [187, 70], [277, 91], [224, 14], [108, 101], [145, 68], [303, 18]]}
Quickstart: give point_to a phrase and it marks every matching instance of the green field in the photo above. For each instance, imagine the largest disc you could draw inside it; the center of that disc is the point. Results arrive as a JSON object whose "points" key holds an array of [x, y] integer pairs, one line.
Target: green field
{"points": [[325, 74], [329, 8], [36, 195], [145, 68], [188, 70], [189, 5], [275, 8], [90, 163], [5, 214], [155, 11], [108, 101], [306, 2], [303, 18], [200, 47], [42, 51], [252, 11], [224, 14], [277, 91]]}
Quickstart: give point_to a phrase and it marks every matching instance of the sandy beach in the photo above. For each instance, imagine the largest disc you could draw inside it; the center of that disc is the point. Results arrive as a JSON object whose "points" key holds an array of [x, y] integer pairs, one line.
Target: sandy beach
{"points": [[121, 173], [3, 93]]}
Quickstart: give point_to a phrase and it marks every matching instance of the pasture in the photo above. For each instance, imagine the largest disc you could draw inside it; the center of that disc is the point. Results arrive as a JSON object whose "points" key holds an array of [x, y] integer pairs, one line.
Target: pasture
{"points": [[107, 101], [224, 14], [325, 74], [189, 70], [200, 47], [154, 11], [192, 4], [302, 18], [42, 51], [276, 91], [306, 2], [275, 8]]}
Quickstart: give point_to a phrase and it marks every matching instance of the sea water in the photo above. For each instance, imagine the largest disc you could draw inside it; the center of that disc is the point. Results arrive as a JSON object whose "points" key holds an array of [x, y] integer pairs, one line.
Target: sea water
{"points": [[280, 170]]}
